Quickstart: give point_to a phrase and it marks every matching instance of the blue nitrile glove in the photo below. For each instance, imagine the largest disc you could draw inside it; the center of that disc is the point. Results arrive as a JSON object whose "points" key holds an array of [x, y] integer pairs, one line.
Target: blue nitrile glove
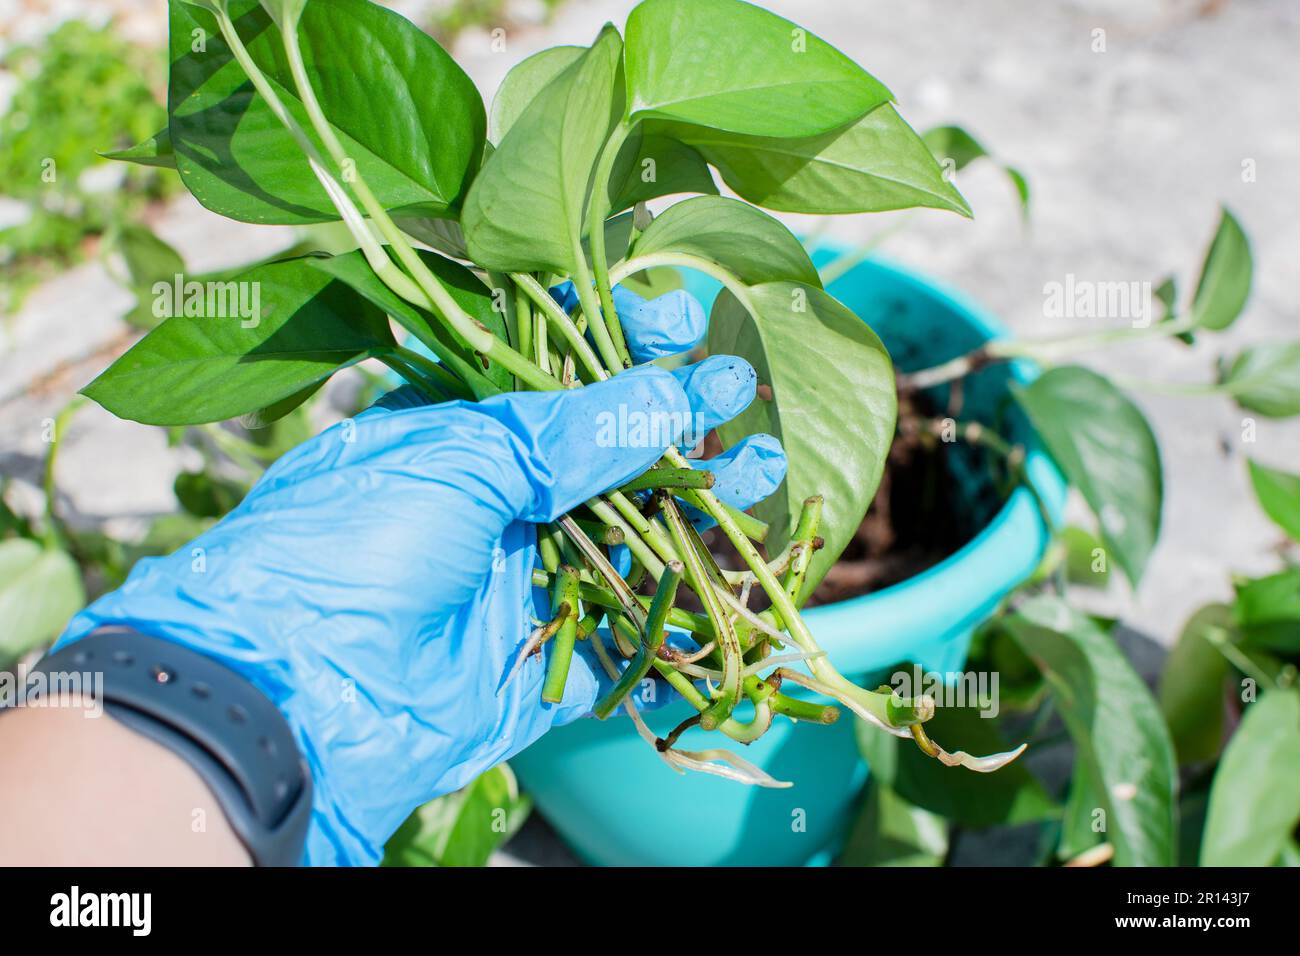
{"points": [[376, 585]]}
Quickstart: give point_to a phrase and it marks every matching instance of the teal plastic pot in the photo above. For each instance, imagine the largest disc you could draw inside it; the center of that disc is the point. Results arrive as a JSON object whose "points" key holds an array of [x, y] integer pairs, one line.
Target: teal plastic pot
{"points": [[615, 802]]}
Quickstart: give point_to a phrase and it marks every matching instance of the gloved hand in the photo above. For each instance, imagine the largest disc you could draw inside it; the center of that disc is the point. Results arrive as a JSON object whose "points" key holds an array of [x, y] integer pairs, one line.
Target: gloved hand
{"points": [[376, 582]]}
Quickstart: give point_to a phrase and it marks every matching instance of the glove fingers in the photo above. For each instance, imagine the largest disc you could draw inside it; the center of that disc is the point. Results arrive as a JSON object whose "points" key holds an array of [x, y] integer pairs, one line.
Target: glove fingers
{"points": [[666, 325], [747, 472]]}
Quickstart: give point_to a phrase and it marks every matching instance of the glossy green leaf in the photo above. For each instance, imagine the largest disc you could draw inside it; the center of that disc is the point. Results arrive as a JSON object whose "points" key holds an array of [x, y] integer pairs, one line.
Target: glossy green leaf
{"points": [[1266, 379], [1103, 444], [462, 828], [444, 235], [40, 589], [416, 151], [1192, 685], [1122, 744], [743, 240], [836, 425], [890, 831], [1010, 796], [733, 66], [1255, 800], [1268, 612], [296, 325], [154, 151], [653, 283], [526, 209], [955, 149], [1086, 563], [1224, 285], [873, 164], [1279, 495], [148, 260], [650, 165], [1081, 824], [522, 84], [463, 285]]}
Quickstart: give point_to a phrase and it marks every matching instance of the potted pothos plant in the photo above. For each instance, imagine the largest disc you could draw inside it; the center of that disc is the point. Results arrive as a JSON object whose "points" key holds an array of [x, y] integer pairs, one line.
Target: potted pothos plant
{"points": [[295, 112]]}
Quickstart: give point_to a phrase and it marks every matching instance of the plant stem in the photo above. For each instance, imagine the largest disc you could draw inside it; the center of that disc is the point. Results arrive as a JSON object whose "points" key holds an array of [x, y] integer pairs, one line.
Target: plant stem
{"points": [[476, 336], [564, 602], [668, 478], [1046, 350], [598, 210], [54, 529], [728, 643], [432, 378], [552, 311], [636, 671], [875, 706]]}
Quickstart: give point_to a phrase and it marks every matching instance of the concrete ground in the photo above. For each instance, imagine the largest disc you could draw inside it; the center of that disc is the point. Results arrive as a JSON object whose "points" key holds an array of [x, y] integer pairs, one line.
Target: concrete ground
{"points": [[1132, 119]]}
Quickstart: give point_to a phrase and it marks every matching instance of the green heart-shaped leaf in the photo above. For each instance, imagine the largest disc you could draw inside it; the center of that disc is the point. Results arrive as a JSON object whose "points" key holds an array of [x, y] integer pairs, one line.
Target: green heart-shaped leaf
{"points": [[1103, 444], [733, 234], [235, 347], [416, 151], [1255, 800], [873, 164], [40, 589], [1224, 285], [525, 211], [1266, 379], [1124, 751], [1279, 495], [733, 66], [836, 424]]}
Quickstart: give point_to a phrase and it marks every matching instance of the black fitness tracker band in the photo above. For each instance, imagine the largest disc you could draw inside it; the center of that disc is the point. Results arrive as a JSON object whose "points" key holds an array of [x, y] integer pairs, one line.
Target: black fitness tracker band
{"points": [[217, 721]]}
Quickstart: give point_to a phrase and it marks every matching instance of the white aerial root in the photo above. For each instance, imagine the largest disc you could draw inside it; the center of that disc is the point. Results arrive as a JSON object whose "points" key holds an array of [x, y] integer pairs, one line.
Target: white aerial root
{"points": [[813, 684], [766, 662], [740, 769], [534, 641], [979, 764]]}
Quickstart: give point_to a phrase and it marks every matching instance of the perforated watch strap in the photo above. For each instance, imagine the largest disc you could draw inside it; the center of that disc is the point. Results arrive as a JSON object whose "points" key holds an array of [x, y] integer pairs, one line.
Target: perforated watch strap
{"points": [[222, 725]]}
